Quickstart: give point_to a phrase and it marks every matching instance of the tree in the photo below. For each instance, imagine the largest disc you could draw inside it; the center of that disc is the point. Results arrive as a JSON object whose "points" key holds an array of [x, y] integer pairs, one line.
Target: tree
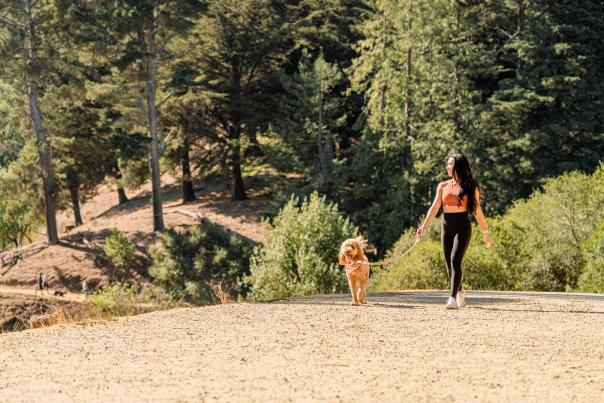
{"points": [[240, 46], [138, 37], [312, 112], [30, 57], [84, 158], [21, 198]]}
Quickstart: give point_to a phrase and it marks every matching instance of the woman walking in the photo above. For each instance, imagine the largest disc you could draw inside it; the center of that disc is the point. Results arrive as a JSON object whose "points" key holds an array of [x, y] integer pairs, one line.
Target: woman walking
{"points": [[460, 198]]}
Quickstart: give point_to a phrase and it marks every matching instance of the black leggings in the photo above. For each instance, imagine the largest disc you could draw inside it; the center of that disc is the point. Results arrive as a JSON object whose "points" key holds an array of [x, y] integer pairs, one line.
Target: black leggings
{"points": [[455, 235]]}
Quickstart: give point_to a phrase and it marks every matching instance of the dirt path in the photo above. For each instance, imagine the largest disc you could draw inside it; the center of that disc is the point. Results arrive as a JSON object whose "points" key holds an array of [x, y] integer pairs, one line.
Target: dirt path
{"points": [[401, 347], [68, 296]]}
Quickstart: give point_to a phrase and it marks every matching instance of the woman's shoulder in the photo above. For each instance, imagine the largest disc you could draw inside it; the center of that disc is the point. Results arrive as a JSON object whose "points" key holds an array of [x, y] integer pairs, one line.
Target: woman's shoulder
{"points": [[443, 184]]}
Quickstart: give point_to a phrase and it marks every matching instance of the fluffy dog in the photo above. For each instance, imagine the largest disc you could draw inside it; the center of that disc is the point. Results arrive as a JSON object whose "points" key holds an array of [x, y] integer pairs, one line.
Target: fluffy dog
{"points": [[55, 318], [352, 256]]}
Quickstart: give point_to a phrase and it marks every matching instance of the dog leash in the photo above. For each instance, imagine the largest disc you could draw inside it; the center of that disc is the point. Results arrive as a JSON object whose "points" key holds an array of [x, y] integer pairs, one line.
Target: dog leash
{"points": [[395, 259]]}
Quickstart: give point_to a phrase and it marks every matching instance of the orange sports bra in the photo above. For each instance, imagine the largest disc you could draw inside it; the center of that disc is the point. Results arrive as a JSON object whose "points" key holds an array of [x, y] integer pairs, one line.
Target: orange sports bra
{"points": [[449, 196]]}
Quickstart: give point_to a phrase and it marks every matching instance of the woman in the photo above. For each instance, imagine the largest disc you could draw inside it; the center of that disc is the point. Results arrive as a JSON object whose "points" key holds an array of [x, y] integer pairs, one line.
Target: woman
{"points": [[460, 197]]}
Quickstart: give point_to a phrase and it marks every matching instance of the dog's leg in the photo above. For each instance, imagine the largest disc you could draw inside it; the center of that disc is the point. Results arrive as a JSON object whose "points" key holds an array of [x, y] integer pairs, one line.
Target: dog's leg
{"points": [[352, 284], [363, 291], [364, 284]]}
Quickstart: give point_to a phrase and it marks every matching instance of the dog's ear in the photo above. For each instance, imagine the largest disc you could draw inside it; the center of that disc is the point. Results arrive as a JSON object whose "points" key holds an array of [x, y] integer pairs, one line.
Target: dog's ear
{"points": [[341, 258]]}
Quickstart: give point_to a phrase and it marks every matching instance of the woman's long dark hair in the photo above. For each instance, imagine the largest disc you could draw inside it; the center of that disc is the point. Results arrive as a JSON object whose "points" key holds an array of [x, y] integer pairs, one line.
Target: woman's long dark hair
{"points": [[467, 183]]}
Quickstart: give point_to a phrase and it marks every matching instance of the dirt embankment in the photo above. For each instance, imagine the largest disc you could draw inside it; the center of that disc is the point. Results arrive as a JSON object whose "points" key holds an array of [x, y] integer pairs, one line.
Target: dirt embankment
{"points": [[80, 254]]}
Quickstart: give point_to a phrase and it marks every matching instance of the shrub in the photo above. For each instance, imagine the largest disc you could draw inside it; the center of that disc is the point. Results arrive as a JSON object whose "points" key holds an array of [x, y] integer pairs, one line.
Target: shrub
{"points": [[540, 244], [424, 267], [592, 278], [555, 222], [115, 300], [21, 198], [188, 265], [120, 250], [300, 255]]}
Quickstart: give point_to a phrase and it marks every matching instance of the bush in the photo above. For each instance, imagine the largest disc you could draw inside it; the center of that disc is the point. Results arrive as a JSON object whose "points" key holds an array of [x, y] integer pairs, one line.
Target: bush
{"points": [[300, 255], [200, 263], [555, 222], [424, 267], [592, 278], [115, 300], [540, 244], [120, 250], [21, 198]]}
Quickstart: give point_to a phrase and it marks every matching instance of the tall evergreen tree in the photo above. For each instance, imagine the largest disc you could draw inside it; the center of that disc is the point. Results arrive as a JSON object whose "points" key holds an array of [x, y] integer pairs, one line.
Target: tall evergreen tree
{"points": [[31, 59], [240, 46]]}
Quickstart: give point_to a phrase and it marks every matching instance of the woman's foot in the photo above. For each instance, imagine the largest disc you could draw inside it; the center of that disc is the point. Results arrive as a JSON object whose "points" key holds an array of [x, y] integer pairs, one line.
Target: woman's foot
{"points": [[452, 303], [461, 298]]}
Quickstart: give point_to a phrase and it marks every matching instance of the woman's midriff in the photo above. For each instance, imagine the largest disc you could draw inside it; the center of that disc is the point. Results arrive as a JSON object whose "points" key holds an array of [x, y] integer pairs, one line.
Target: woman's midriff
{"points": [[453, 209]]}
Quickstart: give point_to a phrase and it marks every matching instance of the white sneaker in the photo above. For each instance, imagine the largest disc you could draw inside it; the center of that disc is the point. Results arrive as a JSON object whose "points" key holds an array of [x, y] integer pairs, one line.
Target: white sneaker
{"points": [[452, 303], [461, 298]]}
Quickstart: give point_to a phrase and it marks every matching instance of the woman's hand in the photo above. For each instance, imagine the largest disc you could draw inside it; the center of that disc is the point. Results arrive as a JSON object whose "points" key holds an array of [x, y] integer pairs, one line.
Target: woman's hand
{"points": [[420, 231], [487, 239]]}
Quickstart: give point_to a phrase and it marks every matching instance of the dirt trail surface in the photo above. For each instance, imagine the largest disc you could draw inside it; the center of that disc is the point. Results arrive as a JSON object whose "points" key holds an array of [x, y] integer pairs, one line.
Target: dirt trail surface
{"points": [[7, 291], [401, 347]]}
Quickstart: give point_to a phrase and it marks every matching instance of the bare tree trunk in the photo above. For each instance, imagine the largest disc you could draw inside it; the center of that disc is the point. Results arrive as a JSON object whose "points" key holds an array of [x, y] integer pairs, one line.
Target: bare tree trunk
{"points": [[384, 86], [238, 186], [75, 202], [150, 89], [188, 194], [121, 192], [408, 71], [235, 134], [42, 144], [253, 149]]}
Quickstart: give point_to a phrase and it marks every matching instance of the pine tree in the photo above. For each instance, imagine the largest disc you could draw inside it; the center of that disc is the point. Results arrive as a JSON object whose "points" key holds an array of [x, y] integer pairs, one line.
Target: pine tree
{"points": [[30, 55], [239, 48]]}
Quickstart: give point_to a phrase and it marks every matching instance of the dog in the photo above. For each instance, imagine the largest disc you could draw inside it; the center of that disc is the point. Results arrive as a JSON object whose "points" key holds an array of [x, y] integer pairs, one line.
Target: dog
{"points": [[352, 256], [56, 318]]}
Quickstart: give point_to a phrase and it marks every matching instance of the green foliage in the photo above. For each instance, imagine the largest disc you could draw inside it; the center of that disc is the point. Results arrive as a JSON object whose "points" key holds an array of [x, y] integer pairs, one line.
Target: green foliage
{"points": [[197, 264], [300, 254], [545, 243], [422, 268], [120, 250], [115, 300], [314, 114], [21, 199], [375, 190], [556, 222], [592, 277]]}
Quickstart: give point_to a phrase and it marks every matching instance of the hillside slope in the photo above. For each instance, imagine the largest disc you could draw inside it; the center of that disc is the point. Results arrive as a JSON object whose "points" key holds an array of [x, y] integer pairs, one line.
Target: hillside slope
{"points": [[80, 255]]}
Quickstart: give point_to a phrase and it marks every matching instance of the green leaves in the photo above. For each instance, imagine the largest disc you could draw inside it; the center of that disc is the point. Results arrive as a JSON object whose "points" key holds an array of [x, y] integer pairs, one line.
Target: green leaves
{"points": [[300, 255], [200, 263]]}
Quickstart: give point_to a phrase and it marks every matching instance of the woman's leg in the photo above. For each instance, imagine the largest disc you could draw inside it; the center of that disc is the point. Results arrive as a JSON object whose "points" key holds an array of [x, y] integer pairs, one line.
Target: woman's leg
{"points": [[461, 242], [447, 238]]}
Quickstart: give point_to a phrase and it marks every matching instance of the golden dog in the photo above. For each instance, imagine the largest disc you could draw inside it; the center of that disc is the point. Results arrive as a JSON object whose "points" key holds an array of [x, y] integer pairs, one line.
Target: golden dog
{"points": [[55, 318], [352, 256]]}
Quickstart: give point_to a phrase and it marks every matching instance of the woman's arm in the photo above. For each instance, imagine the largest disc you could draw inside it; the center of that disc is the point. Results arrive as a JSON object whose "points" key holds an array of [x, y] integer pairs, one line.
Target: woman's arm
{"points": [[482, 221], [433, 209]]}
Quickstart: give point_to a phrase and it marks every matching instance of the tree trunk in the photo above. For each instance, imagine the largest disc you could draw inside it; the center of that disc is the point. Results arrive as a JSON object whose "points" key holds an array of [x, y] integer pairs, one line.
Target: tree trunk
{"points": [[121, 192], [188, 194], [253, 149], [74, 193], [150, 89], [384, 84], [42, 144], [121, 195], [238, 186], [408, 71], [235, 133]]}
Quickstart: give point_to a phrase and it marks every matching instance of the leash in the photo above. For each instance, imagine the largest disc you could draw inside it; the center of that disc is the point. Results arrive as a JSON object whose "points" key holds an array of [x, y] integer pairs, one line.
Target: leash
{"points": [[394, 259]]}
